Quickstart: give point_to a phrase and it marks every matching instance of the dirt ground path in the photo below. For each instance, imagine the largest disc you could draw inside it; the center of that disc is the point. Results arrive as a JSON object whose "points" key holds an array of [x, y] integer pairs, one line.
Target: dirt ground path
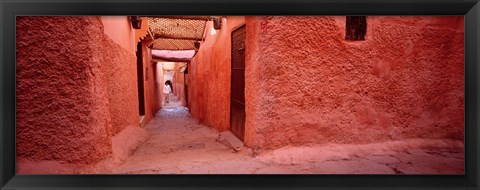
{"points": [[179, 145]]}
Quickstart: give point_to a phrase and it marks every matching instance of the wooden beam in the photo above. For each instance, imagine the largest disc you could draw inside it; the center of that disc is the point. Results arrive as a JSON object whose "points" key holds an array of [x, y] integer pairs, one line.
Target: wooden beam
{"points": [[150, 33], [175, 37], [157, 58], [170, 49], [206, 18]]}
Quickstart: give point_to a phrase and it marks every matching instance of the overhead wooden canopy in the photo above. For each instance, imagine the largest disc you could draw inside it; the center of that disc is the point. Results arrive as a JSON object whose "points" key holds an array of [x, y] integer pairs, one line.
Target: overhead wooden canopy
{"points": [[176, 32]]}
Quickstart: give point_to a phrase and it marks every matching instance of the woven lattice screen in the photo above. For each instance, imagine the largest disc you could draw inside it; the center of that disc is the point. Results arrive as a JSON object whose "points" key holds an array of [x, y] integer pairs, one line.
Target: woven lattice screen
{"points": [[173, 44], [176, 33]]}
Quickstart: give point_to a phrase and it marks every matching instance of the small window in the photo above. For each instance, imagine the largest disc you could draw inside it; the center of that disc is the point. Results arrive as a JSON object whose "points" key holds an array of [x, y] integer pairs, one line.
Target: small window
{"points": [[356, 28]]}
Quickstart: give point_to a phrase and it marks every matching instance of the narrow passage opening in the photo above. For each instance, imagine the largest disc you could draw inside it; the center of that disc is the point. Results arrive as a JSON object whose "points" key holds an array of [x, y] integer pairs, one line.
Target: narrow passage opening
{"points": [[174, 85]]}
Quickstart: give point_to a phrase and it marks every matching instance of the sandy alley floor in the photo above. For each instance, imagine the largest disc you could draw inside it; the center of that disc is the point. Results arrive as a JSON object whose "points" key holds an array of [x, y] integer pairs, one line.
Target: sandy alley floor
{"points": [[179, 145]]}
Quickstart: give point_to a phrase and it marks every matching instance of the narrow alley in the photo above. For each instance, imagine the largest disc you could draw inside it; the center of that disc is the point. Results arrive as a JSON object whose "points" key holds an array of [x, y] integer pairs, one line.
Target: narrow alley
{"points": [[240, 95], [179, 145]]}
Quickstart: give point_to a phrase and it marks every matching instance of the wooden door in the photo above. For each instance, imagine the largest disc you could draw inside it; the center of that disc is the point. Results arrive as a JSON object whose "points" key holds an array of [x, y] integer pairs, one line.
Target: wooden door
{"points": [[237, 91]]}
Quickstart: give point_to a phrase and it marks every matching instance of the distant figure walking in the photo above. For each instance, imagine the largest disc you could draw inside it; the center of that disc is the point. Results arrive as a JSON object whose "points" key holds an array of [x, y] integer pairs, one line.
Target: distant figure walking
{"points": [[166, 91]]}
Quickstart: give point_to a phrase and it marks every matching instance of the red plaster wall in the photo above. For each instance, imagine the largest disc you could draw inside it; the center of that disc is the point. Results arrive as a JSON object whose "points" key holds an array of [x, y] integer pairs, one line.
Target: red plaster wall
{"points": [[156, 95], [151, 101], [306, 84], [62, 111], [143, 31], [76, 88], [209, 76], [160, 83], [120, 71], [119, 29], [178, 80], [122, 75]]}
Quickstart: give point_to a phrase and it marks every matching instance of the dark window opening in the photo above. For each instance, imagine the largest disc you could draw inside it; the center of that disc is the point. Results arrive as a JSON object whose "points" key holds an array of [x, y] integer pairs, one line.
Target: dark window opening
{"points": [[356, 28]]}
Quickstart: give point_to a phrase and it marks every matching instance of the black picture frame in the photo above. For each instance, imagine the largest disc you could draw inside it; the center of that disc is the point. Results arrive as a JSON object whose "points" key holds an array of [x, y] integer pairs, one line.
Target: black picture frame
{"points": [[9, 9]]}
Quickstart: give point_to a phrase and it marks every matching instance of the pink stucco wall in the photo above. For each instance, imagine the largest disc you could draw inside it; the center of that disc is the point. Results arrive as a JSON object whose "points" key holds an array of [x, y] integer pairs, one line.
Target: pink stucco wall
{"points": [[122, 74], [119, 29], [62, 99], [209, 76], [152, 97], [179, 82], [76, 90], [119, 68], [306, 84], [160, 82]]}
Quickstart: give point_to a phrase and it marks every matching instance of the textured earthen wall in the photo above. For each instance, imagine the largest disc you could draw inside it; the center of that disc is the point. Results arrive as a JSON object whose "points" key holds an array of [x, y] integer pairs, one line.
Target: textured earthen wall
{"points": [[119, 29], [143, 31], [119, 67], [122, 75], [306, 84], [160, 83], [209, 76], [151, 100], [178, 80], [156, 95], [62, 104], [76, 89]]}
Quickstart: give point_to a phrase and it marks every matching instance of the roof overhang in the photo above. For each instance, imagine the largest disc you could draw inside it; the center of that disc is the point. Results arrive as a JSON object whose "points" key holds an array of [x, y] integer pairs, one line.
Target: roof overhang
{"points": [[176, 32], [175, 56]]}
